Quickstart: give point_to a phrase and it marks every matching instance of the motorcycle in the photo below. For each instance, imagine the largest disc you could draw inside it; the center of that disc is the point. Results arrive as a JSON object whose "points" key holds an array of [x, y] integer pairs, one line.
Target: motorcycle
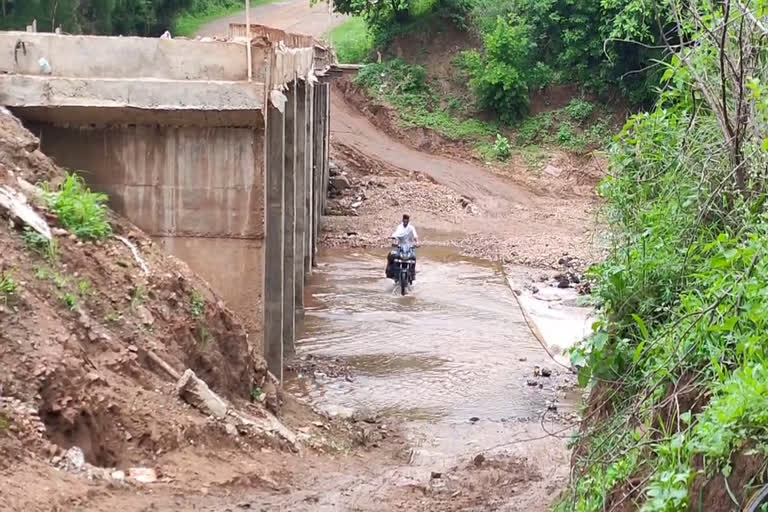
{"points": [[403, 267]]}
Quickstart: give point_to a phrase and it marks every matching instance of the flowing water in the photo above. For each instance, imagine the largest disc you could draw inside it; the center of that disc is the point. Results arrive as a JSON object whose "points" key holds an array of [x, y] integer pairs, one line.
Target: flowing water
{"points": [[452, 358]]}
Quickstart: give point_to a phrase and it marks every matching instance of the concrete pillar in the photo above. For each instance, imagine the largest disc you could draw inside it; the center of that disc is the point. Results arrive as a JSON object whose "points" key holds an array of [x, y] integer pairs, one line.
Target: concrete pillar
{"points": [[317, 169], [327, 142], [301, 193], [310, 159], [274, 226], [289, 223]]}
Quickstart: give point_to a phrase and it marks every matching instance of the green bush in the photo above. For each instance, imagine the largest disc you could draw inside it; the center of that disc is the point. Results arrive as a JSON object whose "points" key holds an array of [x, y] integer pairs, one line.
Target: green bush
{"points": [[79, 210], [579, 110], [505, 73], [501, 148]]}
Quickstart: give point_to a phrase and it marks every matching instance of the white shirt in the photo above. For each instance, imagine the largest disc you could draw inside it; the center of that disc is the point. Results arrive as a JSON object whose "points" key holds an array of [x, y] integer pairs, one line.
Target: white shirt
{"points": [[405, 235]]}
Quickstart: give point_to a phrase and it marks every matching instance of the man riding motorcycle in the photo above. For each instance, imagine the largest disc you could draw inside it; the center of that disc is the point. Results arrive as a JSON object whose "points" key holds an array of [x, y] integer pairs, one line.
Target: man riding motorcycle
{"points": [[404, 238]]}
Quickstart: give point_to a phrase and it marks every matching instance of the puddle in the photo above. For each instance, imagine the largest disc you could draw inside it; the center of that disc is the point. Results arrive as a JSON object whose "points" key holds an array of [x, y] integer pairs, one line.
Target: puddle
{"points": [[457, 348]]}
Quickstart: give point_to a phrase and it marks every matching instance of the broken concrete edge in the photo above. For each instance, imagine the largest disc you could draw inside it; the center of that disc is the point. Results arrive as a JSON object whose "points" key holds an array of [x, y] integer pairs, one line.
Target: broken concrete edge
{"points": [[278, 100], [196, 392]]}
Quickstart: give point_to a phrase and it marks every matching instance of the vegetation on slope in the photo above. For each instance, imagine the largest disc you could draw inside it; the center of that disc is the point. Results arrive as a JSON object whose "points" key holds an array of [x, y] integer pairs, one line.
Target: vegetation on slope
{"points": [[677, 364], [113, 17]]}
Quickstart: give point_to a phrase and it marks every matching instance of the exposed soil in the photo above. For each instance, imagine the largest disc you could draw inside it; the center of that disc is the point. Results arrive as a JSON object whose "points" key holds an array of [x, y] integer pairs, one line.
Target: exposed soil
{"points": [[83, 401]]}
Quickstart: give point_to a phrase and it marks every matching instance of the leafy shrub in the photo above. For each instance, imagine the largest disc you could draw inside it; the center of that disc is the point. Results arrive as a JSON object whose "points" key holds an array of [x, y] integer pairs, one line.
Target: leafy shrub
{"points": [[41, 245], [579, 110], [81, 211], [197, 304], [501, 147], [501, 76]]}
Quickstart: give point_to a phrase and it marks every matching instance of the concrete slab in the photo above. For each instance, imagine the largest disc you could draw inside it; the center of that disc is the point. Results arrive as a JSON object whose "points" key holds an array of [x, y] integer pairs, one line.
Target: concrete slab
{"points": [[150, 94]]}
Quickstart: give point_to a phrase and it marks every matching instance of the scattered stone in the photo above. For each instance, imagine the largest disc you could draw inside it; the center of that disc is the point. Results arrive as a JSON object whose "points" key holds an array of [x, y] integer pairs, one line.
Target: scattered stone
{"points": [[231, 429], [551, 406], [564, 283], [531, 382], [522, 359], [478, 460], [118, 475], [340, 182], [74, 460], [145, 315], [143, 475], [435, 475], [474, 419], [546, 372]]}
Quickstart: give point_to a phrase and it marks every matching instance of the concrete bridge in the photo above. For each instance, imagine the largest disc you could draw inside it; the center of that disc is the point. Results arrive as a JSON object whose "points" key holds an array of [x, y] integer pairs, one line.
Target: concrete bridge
{"points": [[217, 149]]}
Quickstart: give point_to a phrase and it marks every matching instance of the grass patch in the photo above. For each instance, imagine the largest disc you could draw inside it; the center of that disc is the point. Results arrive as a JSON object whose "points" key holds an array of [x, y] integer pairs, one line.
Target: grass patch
{"points": [[574, 127], [405, 88], [81, 211], [9, 287], [39, 244], [352, 41], [188, 23]]}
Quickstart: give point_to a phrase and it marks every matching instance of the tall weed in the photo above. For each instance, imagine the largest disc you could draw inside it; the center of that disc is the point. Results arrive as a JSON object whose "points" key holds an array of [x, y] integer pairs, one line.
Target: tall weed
{"points": [[81, 211]]}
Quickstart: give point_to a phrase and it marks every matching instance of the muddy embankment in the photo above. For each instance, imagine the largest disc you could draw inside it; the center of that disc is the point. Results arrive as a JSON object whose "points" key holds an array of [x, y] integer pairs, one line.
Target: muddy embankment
{"points": [[126, 378]]}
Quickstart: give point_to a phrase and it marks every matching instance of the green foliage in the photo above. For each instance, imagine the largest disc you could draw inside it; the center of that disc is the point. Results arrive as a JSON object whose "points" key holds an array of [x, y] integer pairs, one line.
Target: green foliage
{"points": [[405, 88], [41, 245], [81, 211], [9, 287], [504, 75], [563, 128], [501, 148], [83, 289], [352, 41], [129, 17], [579, 110], [71, 301], [681, 341], [197, 304]]}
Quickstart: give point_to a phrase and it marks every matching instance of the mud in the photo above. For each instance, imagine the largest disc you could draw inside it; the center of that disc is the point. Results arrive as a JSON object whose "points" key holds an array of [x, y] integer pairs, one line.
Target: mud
{"points": [[449, 368]]}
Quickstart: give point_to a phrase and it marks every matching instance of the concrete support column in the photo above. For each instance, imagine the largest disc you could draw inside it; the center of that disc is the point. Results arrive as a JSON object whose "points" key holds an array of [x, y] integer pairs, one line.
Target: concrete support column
{"points": [[309, 254], [301, 193], [317, 168], [274, 226], [289, 223], [327, 142]]}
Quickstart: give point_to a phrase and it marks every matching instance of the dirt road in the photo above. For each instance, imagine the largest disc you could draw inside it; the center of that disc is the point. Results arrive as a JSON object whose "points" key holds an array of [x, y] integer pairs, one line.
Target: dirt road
{"points": [[292, 15]]}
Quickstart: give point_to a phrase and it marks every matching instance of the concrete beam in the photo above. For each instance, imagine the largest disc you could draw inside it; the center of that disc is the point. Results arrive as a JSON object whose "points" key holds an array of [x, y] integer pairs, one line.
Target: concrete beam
{"points": [[120, 94], [302, 187], [289, 223], [128, 57], [273, 257]]}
